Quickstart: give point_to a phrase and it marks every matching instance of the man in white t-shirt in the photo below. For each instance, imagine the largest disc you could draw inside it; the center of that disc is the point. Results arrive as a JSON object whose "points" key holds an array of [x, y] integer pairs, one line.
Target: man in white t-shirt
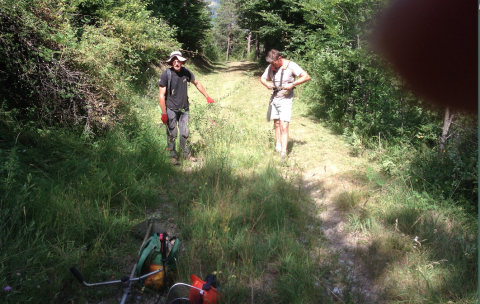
{"points": [[282, 73]]}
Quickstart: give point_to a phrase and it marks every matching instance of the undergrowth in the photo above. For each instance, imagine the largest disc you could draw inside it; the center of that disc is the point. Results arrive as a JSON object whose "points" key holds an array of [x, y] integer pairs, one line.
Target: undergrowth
{"points": [[419, 249], [69, 200]]}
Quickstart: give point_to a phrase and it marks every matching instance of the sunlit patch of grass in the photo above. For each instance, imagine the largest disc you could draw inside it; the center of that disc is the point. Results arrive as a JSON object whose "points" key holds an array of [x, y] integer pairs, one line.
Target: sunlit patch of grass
{"points": [[422, 252], [349, 201]]}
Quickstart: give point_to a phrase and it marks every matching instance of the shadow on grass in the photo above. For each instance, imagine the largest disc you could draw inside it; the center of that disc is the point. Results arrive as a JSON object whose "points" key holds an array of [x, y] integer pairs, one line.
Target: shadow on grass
{"points": [[317, 113], [79, 198], [204, 65], [245, 66], [255, 229], [419, 254], [293, 143]]}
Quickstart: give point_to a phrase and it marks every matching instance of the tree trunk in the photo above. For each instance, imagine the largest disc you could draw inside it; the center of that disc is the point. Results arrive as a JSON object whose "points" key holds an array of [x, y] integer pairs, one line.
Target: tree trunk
{"points": [[365, 98], [446, 126], [249, 42], [228, 39], [257, 48]]}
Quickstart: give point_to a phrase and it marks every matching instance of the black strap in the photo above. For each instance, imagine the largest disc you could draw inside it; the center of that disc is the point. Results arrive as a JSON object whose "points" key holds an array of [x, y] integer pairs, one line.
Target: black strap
{"points": [[169, 73], [210, 281], [281, 77], [163, 243]]}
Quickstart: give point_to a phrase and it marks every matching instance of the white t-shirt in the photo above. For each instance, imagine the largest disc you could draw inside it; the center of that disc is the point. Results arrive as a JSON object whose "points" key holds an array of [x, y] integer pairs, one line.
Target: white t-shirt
{"points": [[291, 71]]}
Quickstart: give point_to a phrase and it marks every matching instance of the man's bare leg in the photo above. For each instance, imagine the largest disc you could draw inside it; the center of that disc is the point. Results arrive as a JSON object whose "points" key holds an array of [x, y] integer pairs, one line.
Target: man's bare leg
{"points": [[278, 134], [284, 135]]}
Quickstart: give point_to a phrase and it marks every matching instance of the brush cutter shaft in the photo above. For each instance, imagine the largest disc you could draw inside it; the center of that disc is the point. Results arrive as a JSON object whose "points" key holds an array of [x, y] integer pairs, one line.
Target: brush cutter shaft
{"points": [[125, 279], [127, 290]]}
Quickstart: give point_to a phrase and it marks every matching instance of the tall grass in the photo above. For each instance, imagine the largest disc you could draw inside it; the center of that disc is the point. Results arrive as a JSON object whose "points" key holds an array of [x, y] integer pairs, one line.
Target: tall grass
{"points": [[244, 220], [69, 200], [420, 250]]}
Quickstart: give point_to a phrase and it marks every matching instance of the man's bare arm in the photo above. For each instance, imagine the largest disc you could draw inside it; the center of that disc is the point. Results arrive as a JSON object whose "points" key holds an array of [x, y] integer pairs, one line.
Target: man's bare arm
{"points": [[303, 78], [266, 84], [200, 88], [161, 94]]}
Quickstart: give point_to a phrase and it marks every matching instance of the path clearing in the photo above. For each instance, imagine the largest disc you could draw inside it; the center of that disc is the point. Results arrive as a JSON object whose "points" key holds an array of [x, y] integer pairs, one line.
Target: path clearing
{"points": [[325, 165]]}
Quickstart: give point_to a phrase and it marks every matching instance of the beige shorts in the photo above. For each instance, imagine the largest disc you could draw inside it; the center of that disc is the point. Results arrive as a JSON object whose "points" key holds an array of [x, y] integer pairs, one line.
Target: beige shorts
{"points": [[282, 110]]}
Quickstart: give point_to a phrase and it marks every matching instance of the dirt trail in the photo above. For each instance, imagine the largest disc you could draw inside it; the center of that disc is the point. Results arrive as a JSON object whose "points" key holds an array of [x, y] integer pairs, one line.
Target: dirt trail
{"points": [[328, 169]]}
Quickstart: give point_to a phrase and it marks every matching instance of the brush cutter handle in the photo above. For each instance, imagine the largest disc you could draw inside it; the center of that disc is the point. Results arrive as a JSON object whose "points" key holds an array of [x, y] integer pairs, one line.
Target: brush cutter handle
{"points": [[77, 274], [124, 279]]}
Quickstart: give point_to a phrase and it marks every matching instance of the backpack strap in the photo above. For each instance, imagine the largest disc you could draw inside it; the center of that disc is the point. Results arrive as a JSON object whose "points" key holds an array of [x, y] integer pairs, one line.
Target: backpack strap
{"points": [[173, 254], [169, 74], [281, 75], [150, 245]]}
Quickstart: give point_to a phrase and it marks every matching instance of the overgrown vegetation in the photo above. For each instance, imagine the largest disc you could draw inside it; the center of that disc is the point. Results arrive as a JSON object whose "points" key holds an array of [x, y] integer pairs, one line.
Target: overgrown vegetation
{"points": [[70, 201], [190, 18], [81, 154], [419, 250], [356, 92], [71, 62]]}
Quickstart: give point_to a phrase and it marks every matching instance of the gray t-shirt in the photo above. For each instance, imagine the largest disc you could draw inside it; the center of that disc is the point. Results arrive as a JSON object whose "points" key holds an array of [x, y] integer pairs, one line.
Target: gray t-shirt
{"points": [[291, 71]]}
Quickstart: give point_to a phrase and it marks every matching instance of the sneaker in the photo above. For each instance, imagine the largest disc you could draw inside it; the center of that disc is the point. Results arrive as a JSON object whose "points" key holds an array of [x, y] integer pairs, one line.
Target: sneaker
{"points": [[174, 161], [278, 148], [283, 155], [190, 158]]}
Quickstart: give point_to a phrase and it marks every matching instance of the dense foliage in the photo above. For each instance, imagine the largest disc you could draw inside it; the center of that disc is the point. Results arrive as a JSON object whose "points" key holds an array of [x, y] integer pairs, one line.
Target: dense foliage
{"points": [[85, 65], [191, 19], [67, 61], [71, 68]]}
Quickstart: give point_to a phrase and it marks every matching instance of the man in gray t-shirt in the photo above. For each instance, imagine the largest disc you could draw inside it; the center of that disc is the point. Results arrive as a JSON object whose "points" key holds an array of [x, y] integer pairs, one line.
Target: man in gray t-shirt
{"points": [[282, 73], [174, 102]]}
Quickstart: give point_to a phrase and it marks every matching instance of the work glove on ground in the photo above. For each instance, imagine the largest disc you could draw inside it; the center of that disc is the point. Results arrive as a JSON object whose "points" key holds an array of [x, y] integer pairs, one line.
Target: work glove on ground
{"points": [[210, 100], [164, 118]]}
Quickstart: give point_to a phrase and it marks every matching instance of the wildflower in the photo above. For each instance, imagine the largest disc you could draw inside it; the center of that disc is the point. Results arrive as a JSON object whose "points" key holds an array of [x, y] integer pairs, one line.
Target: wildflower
{"points": [[8, 288]]}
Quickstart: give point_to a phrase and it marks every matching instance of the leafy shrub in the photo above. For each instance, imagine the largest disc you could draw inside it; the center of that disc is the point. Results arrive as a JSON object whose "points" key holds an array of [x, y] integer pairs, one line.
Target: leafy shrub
{"points": [[61, 65]]}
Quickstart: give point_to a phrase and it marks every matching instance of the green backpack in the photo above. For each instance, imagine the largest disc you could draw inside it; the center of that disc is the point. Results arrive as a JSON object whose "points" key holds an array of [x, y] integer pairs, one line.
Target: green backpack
{"points": [[151, 260]]}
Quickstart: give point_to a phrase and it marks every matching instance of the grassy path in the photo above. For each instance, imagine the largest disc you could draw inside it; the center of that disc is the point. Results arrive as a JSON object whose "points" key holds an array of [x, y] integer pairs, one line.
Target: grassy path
{"points": [[319, 164], [323, 227]]}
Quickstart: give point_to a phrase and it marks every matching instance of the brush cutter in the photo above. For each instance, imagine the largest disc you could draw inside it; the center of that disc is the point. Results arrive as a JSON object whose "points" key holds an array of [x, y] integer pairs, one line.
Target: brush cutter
{"points": [[156, 278], [200, 292]]}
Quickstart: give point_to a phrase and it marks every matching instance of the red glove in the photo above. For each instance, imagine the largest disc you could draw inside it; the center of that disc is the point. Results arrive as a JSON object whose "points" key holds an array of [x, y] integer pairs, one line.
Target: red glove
{"points": [[164, 118], [210, 100]]}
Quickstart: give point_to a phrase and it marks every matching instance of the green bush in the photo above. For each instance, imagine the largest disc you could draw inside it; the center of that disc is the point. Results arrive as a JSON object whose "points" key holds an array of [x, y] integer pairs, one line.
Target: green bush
{"points": [[68, 62]]}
